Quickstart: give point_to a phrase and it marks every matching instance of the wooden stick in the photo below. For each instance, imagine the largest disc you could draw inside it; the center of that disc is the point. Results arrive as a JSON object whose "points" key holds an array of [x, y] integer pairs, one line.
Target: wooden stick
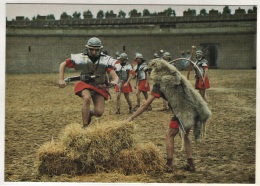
{"points": [[193, 48]]}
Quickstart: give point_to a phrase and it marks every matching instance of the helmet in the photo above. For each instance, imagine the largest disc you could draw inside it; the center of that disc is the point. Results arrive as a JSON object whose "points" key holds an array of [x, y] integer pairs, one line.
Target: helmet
{"points": [[117, 54], [166, 54], [155, 55], [138, 55], [199, 53], [161, 51], [94, 43], [123, 56]]}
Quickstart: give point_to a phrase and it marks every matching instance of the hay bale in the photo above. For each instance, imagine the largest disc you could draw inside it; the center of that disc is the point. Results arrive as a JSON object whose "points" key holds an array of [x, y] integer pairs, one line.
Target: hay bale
{"points": [[142, 158], [52, 160], [86, 151]]}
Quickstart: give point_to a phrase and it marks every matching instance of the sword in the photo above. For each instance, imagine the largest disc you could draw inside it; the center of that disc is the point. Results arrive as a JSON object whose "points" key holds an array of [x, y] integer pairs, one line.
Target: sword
{"points": [[77, 78]]}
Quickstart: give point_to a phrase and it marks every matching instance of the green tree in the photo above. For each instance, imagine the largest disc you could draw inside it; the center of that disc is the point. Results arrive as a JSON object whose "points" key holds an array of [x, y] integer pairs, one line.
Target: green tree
{"points": [[51, 16], [203, 12], [255, 9], [64, 14], [170, 12], [134, 11], [109, 12], [27, 19], [146, 12], [226, 10], [76, 15], [33, 18], [192, 12], [100, 14], [88, 13], [121, 14]]}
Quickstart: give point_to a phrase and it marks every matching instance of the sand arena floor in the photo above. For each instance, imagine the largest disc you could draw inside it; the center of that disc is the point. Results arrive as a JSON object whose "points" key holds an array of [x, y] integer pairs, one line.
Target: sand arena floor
{"points": [[36, 110]]}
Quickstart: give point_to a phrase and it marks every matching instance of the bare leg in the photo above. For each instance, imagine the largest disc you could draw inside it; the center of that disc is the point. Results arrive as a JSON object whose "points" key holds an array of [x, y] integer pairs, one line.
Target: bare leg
{"points": [[99, 105], [187, 145], [128, 102], [86, 96], [138, 98], [188, 148], [170, 134], [203, 94], [146, 97], [118, 96]]}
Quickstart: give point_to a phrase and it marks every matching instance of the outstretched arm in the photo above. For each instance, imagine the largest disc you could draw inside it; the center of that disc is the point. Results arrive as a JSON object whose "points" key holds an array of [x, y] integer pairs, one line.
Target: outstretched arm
{"points": [[62, 68], [142, 108]]}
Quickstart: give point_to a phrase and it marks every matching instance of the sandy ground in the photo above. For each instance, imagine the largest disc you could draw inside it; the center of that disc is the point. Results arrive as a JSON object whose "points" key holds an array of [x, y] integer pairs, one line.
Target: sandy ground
{"points": [[37, 109]]}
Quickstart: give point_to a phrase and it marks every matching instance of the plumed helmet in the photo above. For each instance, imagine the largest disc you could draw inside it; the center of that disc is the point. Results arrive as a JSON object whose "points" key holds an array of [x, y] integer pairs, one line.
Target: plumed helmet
{"points": [[166, 54], [155, 55], [199, 53], [94, 42], [138, 55]]}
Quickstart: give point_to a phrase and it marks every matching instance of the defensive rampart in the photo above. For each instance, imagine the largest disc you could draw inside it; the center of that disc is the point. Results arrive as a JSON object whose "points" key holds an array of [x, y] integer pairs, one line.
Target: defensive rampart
{"points": [[228, 41]]}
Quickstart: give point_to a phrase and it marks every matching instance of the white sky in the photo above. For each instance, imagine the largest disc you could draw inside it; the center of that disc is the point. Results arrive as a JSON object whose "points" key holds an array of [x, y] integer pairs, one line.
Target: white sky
{"points": [[29, 10]]}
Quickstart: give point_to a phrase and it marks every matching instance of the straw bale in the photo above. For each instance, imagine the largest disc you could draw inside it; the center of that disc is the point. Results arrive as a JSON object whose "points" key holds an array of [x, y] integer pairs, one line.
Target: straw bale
{"points": [[142, 158], [52, 160], [86, 150]]}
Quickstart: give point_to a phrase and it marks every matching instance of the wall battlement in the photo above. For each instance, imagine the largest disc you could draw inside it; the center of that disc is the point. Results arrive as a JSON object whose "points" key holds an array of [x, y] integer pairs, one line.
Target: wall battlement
{"points": [[228, 41]]}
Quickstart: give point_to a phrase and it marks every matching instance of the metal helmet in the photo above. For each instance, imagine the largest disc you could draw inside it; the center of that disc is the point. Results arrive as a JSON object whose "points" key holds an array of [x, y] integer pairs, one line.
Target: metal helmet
{"points": [[199, 53], [155, 55], [117, 54], [166, 54], [123, 56], [94, 43], [138, 55]]}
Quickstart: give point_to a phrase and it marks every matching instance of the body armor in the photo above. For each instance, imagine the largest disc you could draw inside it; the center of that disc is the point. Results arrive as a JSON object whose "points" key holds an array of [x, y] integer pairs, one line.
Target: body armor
{"points": [[200, 63], [87, 67], [123, 71], [141, 71]]}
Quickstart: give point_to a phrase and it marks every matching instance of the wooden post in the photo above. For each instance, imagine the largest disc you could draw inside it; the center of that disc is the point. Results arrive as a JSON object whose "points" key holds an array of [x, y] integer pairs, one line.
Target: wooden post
{"points": [[193, 50]]}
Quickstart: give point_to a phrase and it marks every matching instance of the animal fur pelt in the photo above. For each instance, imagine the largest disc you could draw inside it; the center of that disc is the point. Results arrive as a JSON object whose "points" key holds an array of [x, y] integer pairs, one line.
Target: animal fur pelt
{"points": [[186, 102]]}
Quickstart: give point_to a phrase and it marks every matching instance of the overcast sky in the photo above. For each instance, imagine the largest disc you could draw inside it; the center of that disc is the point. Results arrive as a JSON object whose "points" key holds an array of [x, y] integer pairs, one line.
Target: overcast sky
{"points": [[14, 9]]}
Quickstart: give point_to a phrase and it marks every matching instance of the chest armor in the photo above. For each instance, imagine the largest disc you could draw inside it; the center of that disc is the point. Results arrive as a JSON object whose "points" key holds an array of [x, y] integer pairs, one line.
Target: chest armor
{"points": [[87, 67], [200, 64], [140, 71], [123, 71]]}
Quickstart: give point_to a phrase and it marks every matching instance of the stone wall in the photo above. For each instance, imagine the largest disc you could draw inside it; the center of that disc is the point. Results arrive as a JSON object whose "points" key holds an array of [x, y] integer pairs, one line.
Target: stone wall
{"points": [[39, 49]]}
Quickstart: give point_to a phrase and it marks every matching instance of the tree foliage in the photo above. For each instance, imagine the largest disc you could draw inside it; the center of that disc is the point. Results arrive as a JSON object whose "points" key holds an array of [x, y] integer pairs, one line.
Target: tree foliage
{"points": [[170, 12], [51, 16], [121, 14], [87, 13], [146, 12], [226, 10], [76, 15], [100, 14], [134, 11], [203, 12]]}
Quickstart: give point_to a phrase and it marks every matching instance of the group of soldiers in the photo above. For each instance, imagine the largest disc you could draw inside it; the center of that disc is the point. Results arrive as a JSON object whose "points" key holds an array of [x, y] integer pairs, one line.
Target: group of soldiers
{"points": [[96, 66]]}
